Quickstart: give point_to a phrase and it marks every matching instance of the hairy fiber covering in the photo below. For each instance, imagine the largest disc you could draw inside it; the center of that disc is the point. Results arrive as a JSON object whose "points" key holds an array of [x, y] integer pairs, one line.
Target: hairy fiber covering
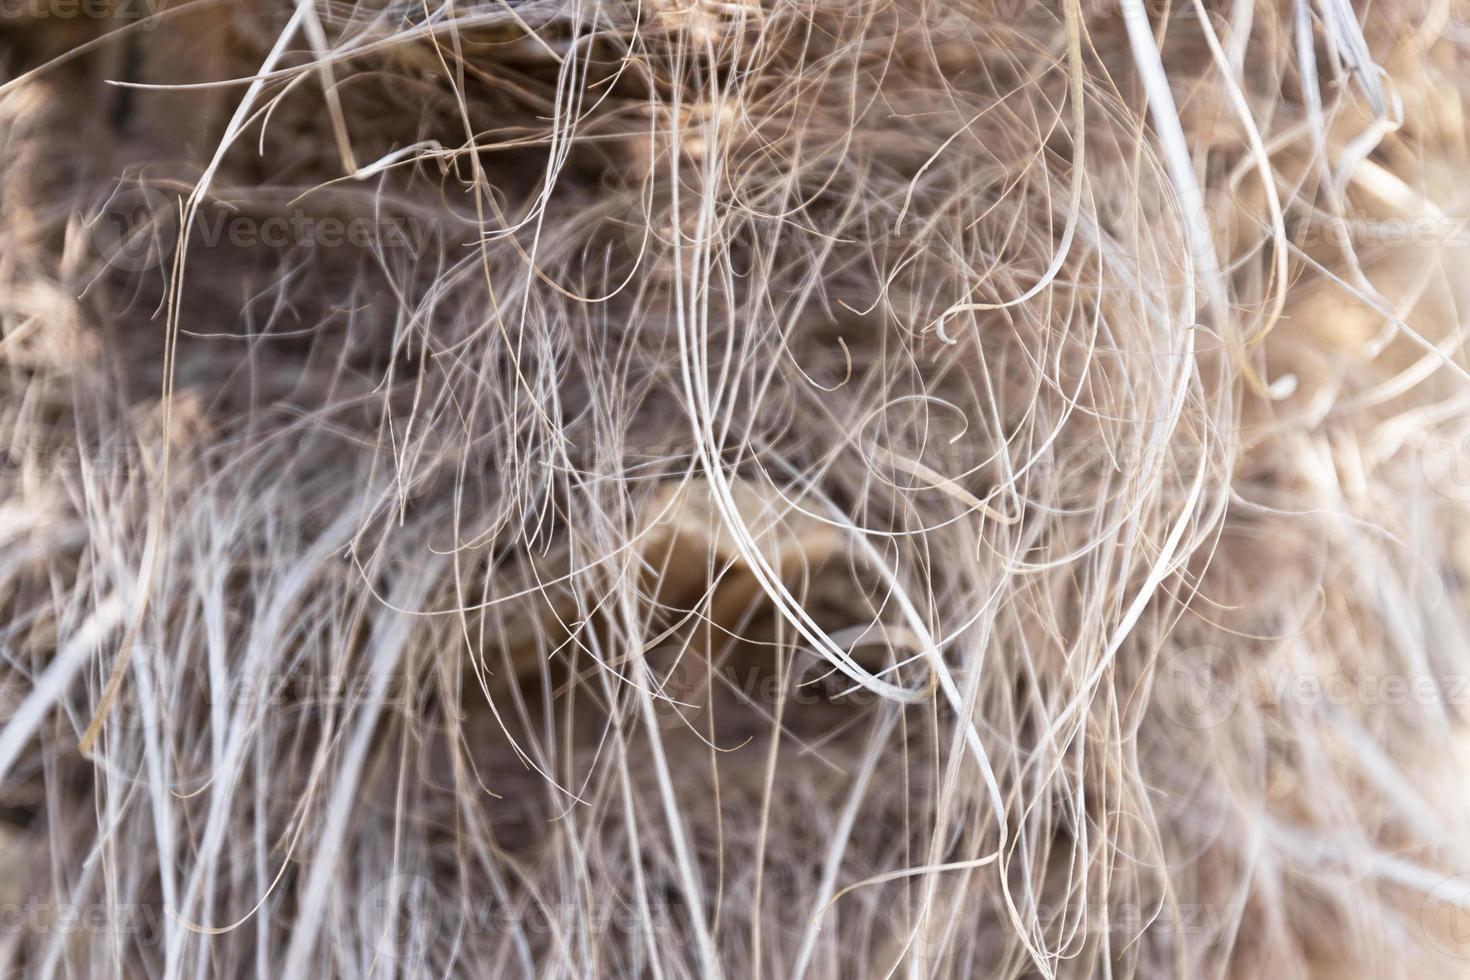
{"points": [[747, 488]]}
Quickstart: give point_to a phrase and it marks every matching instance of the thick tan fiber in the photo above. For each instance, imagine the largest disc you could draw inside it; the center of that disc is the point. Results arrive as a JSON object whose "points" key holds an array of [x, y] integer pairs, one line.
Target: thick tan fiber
{"points": [[765, 488]]}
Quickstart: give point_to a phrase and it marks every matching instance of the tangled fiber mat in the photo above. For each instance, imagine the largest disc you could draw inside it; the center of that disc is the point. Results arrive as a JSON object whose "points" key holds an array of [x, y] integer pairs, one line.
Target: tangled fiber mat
{"points": [[734, 488]]}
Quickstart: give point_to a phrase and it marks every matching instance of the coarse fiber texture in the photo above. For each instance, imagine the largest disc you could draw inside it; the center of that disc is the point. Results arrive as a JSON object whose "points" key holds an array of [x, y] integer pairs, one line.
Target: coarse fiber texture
{"points": [[734, 488]]}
